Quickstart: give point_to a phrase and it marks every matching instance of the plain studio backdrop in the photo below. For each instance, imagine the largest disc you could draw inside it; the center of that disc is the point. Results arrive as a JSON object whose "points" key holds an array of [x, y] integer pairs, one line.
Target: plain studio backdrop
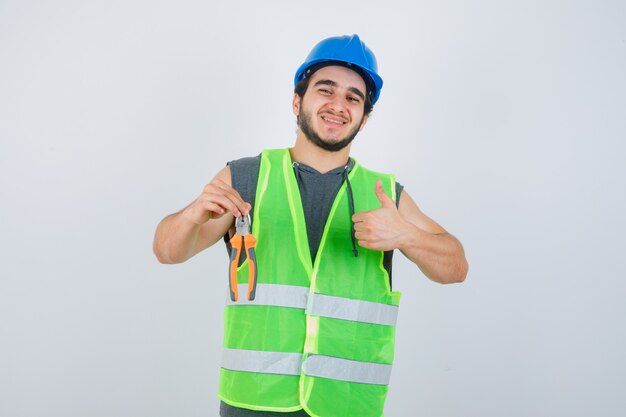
{"points": [[505, 121]]}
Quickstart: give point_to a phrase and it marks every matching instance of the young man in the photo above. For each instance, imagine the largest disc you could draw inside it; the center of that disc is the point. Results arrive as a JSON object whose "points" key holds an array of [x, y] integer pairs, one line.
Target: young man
{"points": [[317, 339]]}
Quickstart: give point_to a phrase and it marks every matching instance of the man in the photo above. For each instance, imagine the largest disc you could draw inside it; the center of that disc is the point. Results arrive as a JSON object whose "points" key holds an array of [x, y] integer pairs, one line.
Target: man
{"points": [[317, 339]]}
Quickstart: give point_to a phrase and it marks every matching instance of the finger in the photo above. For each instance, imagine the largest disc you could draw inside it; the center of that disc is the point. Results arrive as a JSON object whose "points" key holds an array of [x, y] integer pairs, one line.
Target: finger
{"points": [[227, 189], [367, 237], [214, 208], [218, 187], [384, 199], [361, 235], [223, 201], [202, 211], [358, 217], [366, 244], [361, 227], [239, 204]]}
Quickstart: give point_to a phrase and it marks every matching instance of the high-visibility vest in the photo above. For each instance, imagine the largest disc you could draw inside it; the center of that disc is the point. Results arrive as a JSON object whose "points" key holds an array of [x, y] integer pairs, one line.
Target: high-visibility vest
{"points": [[318, 336]]}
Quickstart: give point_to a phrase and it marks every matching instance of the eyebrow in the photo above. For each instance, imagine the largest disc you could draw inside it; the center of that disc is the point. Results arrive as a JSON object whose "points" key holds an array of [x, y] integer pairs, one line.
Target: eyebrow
{"points": [[331, 83]]}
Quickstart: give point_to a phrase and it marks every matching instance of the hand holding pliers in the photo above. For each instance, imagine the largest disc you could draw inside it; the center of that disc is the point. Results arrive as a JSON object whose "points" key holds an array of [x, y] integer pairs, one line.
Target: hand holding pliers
{"points": [[242, 239]]}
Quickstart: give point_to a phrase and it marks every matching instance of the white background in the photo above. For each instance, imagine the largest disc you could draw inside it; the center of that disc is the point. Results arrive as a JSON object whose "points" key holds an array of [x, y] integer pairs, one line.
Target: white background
{"points": [[504, 120]]}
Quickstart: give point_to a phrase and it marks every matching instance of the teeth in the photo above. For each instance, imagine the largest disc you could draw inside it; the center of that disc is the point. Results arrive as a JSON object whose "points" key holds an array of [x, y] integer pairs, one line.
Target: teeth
{"points": [[328, 119]]}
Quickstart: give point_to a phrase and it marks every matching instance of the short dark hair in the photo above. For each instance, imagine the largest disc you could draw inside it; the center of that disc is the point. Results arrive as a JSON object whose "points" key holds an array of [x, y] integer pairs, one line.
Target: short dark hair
{"points": [[303, 85]]}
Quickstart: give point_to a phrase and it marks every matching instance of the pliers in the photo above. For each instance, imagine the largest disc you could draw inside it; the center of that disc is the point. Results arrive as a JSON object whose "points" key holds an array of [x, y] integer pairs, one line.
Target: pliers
{"points": [[242, 238]]}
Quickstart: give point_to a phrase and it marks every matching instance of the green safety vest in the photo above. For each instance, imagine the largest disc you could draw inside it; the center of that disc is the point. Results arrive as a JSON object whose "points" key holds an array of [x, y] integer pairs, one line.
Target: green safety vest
{"points": [[318, 336]]}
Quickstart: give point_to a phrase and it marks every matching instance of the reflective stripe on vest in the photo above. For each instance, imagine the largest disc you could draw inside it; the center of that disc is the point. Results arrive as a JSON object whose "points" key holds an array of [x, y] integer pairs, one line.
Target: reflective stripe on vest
{"points": [[353, 310], [293, 296], [262, 362], [278, 295], [285, 363], [347, 370]]}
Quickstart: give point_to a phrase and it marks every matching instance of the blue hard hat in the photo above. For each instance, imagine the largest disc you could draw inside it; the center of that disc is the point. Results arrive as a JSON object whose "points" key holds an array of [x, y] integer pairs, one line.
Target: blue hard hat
{"points": [[349, 50]]}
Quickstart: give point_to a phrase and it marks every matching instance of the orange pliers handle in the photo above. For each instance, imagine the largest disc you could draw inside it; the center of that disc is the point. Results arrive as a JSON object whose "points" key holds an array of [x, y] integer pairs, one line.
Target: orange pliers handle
{"points": [[235, 253], [249, 242], [243, 239]]}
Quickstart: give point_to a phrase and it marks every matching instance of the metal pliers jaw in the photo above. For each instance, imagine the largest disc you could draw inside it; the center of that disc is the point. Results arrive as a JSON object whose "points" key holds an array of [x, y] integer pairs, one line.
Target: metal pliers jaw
{"points": [[242, 239]]}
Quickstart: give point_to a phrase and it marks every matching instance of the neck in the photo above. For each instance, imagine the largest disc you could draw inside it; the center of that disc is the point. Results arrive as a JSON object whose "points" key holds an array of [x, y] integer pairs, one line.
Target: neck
{"points": [[315, 157]]}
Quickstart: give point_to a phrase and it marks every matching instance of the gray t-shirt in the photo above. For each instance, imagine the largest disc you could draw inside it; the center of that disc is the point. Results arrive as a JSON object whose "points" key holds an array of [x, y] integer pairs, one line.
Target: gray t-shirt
{"points": [[318, 193]]}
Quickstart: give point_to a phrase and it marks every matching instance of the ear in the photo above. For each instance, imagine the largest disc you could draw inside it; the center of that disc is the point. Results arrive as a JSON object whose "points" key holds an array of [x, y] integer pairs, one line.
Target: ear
{"points": [[295, 104], [365, 118]]}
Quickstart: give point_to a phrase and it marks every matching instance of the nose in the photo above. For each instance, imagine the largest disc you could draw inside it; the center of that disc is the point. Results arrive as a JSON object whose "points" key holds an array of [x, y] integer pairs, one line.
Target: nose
{"points": [[337, 104]]}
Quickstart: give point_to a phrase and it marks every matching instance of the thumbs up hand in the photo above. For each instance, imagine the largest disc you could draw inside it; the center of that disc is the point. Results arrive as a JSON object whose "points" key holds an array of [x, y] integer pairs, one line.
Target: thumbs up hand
{"points": [[385, 200], [382, 228]]}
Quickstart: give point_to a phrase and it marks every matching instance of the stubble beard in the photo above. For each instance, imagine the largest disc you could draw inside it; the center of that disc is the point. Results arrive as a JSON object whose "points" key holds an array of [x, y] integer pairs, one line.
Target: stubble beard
{"points": [[304, 123]]}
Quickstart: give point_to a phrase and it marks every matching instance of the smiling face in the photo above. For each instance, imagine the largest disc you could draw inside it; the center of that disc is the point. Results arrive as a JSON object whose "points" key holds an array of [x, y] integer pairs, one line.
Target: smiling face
{"points": [[331, 112]]}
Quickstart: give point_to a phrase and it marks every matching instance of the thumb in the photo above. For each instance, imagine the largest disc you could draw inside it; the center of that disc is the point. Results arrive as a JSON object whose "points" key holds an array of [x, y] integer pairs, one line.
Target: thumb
{"points": [[384, 199]]}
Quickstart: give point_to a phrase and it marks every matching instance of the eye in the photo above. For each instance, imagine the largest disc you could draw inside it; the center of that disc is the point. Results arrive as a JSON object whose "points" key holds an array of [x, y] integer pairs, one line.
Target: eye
{"points": [[324, 91], [354, 99]]}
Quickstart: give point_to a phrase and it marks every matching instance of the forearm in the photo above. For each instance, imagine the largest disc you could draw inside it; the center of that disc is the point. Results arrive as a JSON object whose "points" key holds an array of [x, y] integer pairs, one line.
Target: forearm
{"points": [[439, 256], [175, 239]]}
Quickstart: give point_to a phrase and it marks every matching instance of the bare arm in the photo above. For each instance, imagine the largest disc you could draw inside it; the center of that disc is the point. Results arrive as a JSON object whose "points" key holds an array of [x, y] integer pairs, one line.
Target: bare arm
{"points": [[438, 254], [203, 222]]}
